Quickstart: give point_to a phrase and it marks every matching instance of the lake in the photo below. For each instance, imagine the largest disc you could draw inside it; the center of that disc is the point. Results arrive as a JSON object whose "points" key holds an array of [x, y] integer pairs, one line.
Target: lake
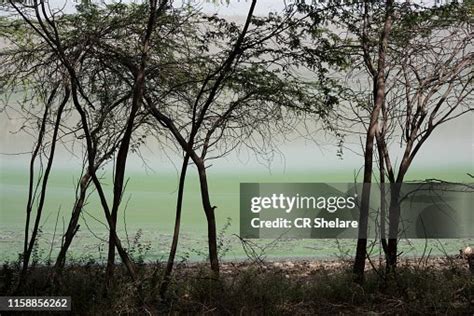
{"points": [[147, 216]]}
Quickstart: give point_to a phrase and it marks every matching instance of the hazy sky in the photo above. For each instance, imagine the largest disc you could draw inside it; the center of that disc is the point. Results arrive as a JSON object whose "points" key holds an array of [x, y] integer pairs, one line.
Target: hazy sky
{"points": [[223, 7], [450, 146]]}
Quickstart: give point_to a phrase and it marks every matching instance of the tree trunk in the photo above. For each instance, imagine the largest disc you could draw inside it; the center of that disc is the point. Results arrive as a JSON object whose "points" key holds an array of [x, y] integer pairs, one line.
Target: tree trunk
{"points": [[394, 220], [109, 271], [210, 216], [383, 237], [379, 98], [361, 250], [120, 166], [177, 224], [73, 227], [39, 210], [31, 192]]}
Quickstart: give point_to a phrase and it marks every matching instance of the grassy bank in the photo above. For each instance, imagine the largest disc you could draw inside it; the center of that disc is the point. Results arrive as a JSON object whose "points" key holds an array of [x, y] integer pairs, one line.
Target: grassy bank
{"points": [[435, 286]]}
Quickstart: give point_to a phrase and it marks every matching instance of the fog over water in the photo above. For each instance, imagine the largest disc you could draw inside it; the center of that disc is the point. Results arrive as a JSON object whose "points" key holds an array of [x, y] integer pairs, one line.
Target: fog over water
{"points": [[451, 145]]}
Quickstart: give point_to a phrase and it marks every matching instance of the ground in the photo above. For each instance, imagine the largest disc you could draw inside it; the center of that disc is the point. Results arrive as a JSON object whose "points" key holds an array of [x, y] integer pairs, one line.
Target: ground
{"points": [[442, 285]]}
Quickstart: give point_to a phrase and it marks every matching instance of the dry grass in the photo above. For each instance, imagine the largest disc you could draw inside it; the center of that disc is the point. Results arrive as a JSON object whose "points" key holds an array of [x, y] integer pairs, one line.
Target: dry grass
{"points": [[435, 286]]}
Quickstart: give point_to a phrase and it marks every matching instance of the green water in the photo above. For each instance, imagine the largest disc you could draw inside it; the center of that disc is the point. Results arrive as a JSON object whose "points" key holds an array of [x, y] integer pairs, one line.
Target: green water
{"points": [[150, 202]]}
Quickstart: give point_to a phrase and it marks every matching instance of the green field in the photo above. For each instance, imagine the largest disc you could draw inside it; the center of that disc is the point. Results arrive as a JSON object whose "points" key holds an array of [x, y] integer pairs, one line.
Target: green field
{"points": [[150, 200]]}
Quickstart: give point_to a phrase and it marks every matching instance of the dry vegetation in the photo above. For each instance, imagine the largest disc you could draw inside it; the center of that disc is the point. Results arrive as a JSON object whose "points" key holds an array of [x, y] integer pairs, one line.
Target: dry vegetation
{"points": [[428, 286]]}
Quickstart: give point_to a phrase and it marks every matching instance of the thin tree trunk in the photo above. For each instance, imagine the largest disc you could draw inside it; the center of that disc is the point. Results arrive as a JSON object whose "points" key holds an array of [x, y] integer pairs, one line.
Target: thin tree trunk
{"points": [[138, 89], [361, 250], [394, 219], [31, 189], [210, 216], [379, 97], [109, 271], [383, 205], [121, 162], [44, 185], [73, 226], [91, 154], [177, 224]]}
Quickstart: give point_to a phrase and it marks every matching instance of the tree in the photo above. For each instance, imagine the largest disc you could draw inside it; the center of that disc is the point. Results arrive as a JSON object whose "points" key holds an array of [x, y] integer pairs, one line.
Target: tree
{"points": [[424, 81], [243, 92], [378, 75], [54, 32], [51, 97], [430, 84], [366, 29]]}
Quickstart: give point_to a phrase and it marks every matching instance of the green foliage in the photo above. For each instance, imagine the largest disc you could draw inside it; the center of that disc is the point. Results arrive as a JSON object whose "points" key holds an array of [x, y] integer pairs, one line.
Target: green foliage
{"points": [[263, 94], [223, 243], [139, 249]]}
